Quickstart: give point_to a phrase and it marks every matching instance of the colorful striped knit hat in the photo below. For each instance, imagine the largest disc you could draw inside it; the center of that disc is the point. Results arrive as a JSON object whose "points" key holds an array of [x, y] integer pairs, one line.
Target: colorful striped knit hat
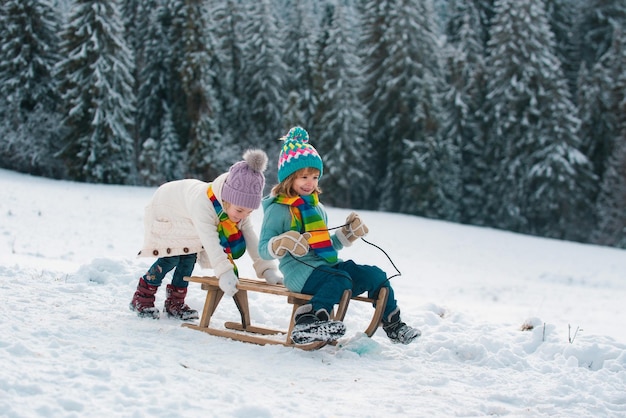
{"points": [[297, 153]]}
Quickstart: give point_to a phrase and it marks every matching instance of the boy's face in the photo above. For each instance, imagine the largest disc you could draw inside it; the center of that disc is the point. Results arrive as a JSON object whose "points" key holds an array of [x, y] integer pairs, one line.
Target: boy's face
{"points": [[305, 181], [237, 213]]}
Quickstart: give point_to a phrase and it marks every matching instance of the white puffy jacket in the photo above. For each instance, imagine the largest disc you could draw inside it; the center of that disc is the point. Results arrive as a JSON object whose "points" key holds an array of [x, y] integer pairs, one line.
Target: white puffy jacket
{"points": [[180, 219]]}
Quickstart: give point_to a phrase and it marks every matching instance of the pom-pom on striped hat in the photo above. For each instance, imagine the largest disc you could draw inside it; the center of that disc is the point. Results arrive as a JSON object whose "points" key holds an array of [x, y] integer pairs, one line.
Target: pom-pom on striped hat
{"points": [[297, 153]]}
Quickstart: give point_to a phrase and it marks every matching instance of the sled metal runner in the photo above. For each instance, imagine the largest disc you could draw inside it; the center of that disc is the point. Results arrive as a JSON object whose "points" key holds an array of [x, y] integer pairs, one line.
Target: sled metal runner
{"points": [[245, 331]]}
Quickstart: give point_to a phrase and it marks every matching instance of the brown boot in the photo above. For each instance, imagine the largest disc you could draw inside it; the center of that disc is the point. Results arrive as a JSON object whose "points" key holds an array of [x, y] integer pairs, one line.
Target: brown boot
{"points": [[143, 300], [175, 304]]}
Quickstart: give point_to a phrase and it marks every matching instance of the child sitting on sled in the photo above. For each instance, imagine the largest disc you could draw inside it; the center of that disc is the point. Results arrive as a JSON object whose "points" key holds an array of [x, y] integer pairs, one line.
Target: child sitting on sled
{"points": [[295, 231]]}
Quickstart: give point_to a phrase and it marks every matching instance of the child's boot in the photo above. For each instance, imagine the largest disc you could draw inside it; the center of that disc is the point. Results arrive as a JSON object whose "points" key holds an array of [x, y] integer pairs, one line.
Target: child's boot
{"points": [[398, 331], [143, 300], [175, 304], [315, 326]]}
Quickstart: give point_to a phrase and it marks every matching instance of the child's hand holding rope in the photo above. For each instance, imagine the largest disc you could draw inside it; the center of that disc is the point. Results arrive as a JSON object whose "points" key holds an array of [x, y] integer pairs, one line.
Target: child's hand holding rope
{"points": [[291, 241], [354, 228]]}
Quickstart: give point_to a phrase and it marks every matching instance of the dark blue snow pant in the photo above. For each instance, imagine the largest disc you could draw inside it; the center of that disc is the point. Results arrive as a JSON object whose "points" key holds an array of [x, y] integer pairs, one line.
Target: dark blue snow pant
{"points": [[184, 265], [327, 284]]}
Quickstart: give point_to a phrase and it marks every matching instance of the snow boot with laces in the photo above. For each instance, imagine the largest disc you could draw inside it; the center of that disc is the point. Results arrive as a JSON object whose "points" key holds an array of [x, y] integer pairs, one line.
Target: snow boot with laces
{"points": [[143, 300], [398, 331], [315, 326], [175, 304]]}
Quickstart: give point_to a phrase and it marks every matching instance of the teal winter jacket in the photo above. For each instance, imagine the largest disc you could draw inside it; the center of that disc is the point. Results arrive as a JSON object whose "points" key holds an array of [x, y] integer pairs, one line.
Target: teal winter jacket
{"points": [[276, 221]]}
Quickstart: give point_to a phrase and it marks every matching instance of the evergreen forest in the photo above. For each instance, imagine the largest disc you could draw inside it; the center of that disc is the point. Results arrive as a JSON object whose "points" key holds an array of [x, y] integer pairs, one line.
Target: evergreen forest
{"points": [[508, 114]]}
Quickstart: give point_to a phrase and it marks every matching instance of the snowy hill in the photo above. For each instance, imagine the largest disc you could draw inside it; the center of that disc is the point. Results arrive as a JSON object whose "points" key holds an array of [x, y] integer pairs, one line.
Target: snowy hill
{"points": [[71, 348]]}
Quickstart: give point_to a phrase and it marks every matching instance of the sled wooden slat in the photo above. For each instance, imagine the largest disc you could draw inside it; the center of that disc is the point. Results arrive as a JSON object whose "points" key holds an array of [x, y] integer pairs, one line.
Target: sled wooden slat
{"points": [[245, 331]]}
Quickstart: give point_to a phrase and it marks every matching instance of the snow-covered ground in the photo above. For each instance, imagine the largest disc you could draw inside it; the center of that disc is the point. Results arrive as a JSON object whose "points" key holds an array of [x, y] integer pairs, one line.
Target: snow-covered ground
{"points": [[69, 346]]}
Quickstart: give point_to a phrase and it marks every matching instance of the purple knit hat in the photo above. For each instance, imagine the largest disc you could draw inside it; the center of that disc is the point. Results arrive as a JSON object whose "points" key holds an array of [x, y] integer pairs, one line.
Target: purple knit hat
{"points": [[245, 181]]}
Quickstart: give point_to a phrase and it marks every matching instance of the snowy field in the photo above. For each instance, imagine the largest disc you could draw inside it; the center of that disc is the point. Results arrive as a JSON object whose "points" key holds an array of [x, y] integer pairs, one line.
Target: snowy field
{"points": [[69, 346]]}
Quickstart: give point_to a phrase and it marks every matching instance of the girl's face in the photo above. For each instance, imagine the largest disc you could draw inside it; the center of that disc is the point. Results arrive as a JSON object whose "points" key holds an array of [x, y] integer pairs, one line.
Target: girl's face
{"points": [[305, 182], [236, 213]]}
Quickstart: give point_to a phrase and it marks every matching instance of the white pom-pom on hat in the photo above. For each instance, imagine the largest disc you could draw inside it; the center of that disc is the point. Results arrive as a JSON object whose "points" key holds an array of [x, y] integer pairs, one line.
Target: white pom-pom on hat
{"points": [[256, 159]]}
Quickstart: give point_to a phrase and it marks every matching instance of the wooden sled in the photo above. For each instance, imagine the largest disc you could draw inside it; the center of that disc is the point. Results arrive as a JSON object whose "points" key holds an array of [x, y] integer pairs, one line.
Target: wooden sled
{"points": [[247, 332]]}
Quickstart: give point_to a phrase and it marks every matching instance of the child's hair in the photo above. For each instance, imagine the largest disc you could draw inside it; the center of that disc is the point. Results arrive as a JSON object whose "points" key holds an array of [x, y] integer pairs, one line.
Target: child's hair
{"points": [[285, 187]]}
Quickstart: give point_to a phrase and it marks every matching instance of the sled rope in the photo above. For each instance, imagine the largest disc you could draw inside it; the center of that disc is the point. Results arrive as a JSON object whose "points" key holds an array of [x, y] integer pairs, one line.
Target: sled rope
{"points": [[364, 240]]}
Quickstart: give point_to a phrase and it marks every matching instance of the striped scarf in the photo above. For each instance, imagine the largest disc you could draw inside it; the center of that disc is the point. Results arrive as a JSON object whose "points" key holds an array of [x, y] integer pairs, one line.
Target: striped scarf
{"points": [[305, 217], [231, 238]]}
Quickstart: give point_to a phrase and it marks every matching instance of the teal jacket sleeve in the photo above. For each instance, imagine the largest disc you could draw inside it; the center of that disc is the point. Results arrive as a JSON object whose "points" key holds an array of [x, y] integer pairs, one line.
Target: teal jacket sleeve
{"points": [[276, 220]]}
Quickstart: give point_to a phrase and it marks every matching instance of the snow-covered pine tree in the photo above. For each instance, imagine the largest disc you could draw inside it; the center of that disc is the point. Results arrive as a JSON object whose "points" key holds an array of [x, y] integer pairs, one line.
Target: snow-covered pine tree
{"points": [[598, 19], [540, 181], [465, 62], [374, 51], [300, 58], [171, 164], [195, 102], [29, 111], [405, 81], [227, 54], [341, 125], [138, 17], [160, 158], [485, 9], [97, 92], [226, 72], [563, 20], [611, 202], [150, 172], [263, 77], [597, 22], [598, 100]]}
